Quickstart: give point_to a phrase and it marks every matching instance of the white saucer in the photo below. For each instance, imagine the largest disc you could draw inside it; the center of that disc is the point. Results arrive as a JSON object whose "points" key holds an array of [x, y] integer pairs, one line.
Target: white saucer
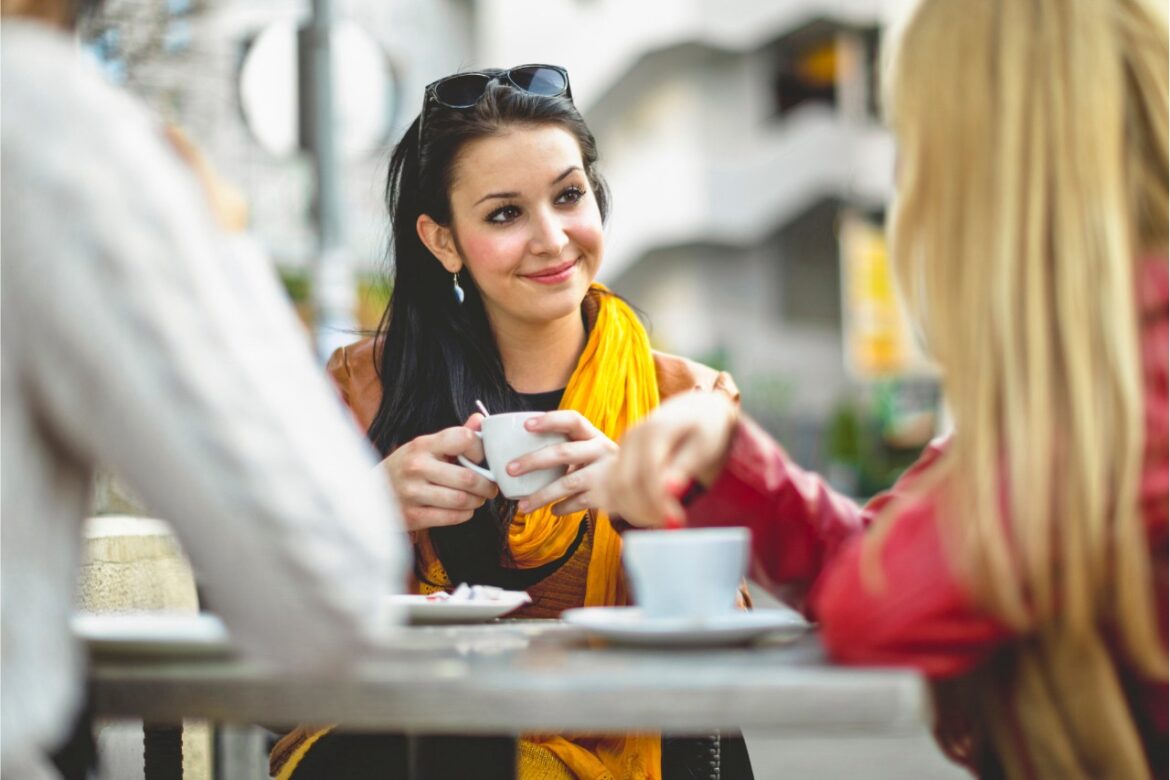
{"points": [[147, 633], [627, 626], [421, 611]]}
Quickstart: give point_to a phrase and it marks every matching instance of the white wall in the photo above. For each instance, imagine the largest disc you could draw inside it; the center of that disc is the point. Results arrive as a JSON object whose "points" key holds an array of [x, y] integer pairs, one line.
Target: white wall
{"points": [[601, 40], [728, 302]]}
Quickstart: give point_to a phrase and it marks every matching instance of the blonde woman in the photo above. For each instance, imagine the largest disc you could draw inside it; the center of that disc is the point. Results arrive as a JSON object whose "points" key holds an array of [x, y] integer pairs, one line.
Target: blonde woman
{"points": [[1022, 563]]}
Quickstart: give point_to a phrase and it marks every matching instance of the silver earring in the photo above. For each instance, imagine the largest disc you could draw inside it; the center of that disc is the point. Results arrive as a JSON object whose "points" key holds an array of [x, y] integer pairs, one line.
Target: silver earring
{"points": [[457, 289]]}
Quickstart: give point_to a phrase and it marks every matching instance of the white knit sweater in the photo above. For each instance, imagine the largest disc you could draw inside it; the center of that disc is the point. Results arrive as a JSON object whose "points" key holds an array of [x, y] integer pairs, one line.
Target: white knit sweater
{"points": [[132, 339]]}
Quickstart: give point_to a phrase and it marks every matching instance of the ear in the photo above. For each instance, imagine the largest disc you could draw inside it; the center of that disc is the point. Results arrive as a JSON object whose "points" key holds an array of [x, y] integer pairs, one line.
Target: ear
{"points": [[441, 243]]}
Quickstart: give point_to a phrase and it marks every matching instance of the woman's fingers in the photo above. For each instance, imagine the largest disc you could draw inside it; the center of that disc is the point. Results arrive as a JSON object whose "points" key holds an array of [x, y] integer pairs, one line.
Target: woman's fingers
{"points": [[570, 506], [578, 483], [685, 438], [641, 486], [451, 475], [648, 482], [432, 495], [567, 421], [702, 447], [569, 453], [586, 444], [457, 440], [648, 500], [431, 490]]}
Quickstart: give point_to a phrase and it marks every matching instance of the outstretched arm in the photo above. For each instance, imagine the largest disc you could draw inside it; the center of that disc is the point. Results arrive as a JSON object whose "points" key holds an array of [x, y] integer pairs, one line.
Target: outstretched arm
{"points": [[806, 538]]}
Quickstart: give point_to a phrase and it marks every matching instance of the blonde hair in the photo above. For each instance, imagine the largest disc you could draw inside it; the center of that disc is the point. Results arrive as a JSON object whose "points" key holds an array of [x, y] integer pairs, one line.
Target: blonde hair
{"points": [[1032, 142]]}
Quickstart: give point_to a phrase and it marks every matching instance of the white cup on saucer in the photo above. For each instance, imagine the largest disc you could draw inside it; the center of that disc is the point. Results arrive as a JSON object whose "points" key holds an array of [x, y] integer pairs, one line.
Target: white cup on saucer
{"points": [[690, 573], [504, 439]]}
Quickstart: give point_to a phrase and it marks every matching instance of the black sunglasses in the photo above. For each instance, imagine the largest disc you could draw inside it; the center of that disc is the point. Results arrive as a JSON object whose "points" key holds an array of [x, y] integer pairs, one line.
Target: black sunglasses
{"points": [[464, 90]]}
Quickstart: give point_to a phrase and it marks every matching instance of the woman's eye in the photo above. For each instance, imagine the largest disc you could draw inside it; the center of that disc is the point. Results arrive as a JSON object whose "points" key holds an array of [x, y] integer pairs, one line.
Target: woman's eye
{"points": [[503, 215], [570, 195]]}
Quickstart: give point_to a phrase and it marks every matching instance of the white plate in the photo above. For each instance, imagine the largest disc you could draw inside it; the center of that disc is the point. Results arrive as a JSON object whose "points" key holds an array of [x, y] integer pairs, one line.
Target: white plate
{"points": [[421, 611], [628, 626], [147, 633]]}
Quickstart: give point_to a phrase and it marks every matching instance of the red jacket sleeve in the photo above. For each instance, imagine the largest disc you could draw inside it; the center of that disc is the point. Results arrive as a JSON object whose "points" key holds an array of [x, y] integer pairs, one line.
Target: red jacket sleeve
{"points": [[914, 613]]}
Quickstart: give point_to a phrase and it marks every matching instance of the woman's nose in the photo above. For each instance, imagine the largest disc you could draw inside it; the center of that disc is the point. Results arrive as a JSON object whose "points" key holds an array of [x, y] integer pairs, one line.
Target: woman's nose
{"points": [[548, 235]]}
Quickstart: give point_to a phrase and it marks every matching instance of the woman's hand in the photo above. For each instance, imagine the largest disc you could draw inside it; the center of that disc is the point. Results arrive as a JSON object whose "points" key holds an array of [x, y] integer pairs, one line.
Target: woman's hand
{"points": [[432, 489], [586, 454], [685, 439]]}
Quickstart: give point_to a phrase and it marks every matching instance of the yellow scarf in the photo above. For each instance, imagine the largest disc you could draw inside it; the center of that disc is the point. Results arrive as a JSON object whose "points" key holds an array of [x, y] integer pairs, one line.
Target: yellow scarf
{"points": [[613, 386]]}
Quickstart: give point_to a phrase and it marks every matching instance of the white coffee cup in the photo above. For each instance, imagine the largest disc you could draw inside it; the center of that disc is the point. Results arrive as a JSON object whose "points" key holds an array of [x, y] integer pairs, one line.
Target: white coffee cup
{"points": [[690, 573], [504, 439]]}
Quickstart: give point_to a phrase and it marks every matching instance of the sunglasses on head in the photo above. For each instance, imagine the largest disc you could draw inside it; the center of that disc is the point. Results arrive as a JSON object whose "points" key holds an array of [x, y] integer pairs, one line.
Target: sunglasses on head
{"points": [[464, 90]]}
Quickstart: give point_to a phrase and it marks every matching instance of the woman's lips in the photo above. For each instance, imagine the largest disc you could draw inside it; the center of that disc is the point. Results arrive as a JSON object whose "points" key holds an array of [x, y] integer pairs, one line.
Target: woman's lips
{"points": [[554, 275]]}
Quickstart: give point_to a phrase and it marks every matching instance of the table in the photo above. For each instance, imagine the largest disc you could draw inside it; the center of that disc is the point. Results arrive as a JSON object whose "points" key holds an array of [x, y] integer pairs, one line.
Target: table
{"points": [[504, 678]]}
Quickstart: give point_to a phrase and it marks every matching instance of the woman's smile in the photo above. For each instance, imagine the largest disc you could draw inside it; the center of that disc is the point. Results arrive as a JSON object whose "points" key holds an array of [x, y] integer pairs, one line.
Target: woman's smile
{"points": [[555, 275]]}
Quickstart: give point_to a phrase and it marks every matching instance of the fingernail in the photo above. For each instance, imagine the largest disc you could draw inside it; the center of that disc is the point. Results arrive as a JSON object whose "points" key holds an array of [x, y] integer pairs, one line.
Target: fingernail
{"points": [[676, 486], [673, 523], [513, 468]]}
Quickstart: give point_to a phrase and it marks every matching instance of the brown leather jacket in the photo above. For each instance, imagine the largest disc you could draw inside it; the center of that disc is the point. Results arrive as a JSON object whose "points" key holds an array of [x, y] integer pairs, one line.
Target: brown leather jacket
{"points": [[353, 369]]}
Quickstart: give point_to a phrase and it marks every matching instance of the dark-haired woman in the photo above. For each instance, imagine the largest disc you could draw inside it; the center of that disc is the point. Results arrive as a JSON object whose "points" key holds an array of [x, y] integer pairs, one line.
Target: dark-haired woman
{"points": [[497, 209]]}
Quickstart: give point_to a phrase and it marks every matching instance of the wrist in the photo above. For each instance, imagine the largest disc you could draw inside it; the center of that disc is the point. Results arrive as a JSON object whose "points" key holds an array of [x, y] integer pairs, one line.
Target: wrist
{"points": [[729, 423]]}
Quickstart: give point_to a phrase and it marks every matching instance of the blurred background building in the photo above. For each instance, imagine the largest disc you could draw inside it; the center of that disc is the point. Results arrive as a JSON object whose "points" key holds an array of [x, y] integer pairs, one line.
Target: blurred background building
{"points": [[741, 138]]}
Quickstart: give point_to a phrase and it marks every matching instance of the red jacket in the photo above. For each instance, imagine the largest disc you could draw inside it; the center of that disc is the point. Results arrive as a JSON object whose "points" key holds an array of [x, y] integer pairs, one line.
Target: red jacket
{"points": [[807, 538]]}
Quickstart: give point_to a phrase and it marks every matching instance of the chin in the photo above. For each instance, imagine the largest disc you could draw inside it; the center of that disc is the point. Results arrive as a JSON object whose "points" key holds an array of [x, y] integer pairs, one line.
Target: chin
{"points": [[577, 289], [562, 305], [559, 303]]}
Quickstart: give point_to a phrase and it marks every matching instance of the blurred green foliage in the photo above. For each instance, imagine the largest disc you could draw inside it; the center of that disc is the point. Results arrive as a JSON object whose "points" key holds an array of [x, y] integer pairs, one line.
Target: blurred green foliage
{"points": [[297, 283], [373, 295], [866, 439], [718, 358]]}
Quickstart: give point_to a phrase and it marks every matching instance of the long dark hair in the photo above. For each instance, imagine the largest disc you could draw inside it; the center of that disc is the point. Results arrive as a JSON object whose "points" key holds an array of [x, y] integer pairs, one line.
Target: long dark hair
{"points": [[438, 356]]}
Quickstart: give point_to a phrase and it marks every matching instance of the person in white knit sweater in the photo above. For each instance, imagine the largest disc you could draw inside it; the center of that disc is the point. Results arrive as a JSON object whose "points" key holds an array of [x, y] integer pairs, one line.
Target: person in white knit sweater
{"points": [[134, 340]]}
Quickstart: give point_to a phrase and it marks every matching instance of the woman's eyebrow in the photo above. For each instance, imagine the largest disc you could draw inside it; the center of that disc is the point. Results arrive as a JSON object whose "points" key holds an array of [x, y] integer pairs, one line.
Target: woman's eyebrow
{"points": [[568, 170], [506, 195], [491, 195]]}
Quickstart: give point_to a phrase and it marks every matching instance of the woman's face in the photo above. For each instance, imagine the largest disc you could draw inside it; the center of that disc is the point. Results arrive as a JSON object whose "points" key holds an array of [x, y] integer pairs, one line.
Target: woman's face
{"points": [[526, 224]]}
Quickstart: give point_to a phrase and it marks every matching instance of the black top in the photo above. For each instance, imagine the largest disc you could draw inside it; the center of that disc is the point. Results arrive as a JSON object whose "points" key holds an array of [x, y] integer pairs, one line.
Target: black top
{"points": [[542, 402]]}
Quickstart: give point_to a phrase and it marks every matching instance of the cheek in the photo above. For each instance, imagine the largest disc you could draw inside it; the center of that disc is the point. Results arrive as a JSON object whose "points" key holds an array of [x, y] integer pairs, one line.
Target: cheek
{"points": [[487, 251], [587, 232]]}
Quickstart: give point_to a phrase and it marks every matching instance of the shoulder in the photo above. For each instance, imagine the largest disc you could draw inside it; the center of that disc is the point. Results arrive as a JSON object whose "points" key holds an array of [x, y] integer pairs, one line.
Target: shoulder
{"points": [[59, 110], [351, 361], [679, 374], [39, 69], [76, 145], [354, 370]]}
